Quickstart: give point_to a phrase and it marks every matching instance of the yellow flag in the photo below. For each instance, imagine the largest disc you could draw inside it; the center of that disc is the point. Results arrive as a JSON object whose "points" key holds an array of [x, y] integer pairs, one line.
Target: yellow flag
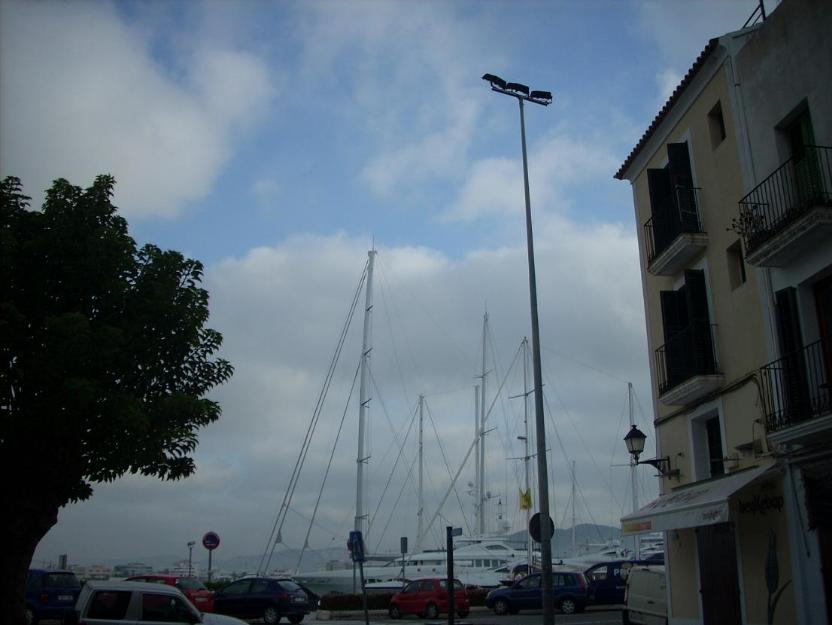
{"points": [[526, 499]]}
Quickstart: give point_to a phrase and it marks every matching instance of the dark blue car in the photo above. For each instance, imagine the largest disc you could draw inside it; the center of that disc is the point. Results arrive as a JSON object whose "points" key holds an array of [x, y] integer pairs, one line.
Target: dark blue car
{"points": [[50, 594], [608, 580], [569, 594]]}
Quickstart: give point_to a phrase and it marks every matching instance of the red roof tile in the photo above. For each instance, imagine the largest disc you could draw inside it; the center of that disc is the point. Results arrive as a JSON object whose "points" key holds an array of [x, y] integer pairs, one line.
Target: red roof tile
{"points": [[671, 101]]}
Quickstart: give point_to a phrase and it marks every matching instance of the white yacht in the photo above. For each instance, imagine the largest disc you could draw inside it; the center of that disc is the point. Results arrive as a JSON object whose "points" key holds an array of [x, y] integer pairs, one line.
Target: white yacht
{"points": [[475, 561]]}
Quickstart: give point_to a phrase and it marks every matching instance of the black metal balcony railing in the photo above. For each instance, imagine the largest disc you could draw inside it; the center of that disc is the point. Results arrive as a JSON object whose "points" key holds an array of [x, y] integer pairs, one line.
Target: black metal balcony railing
{"points": [[799, 184], [796, 387], [662, 229], [686, 354]]}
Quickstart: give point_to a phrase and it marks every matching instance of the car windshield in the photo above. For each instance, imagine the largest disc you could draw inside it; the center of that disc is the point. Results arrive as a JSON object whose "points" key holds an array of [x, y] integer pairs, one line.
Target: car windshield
{"points": [[289, 585], [444, 584], [190, 583], [61, 580]]}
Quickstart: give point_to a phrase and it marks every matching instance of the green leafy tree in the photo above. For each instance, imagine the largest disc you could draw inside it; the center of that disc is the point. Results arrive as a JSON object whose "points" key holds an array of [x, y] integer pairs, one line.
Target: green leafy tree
{"points": [[105, 362]]}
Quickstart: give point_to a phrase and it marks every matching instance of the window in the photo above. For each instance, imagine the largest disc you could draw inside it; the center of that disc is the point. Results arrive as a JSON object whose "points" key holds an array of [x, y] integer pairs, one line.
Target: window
{"points": [[716, 125], [237, 588], [259, 586], [708, 454], [532, 581], [109, 604], [688, 348], [736, 266], [165, 609], [672, 198], [715, 455]]}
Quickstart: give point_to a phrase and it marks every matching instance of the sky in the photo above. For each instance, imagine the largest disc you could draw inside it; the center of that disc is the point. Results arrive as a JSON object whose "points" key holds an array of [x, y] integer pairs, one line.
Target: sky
{"points": [[277, 142]]}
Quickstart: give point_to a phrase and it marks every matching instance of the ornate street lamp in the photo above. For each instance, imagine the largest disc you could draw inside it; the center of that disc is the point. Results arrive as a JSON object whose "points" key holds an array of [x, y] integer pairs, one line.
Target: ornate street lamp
{"points": [[635, 445]]}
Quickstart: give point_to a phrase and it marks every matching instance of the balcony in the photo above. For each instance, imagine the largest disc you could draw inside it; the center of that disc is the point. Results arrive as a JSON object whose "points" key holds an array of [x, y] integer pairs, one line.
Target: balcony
{"points": [[797, 395], [790, 211], [674, 240], [687, 367]]}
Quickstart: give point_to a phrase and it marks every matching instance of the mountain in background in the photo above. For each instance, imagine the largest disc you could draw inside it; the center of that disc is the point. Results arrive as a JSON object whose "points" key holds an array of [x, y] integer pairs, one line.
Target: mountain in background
{"points": [[588, 538]]}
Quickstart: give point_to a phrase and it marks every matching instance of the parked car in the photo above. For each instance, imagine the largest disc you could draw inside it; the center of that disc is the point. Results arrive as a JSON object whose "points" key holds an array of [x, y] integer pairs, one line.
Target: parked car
{"points": [[428, 598], [268, 598], [608, 580], [192, 588], [138, 603], [50, 594], [569, 594], [646, 598]]}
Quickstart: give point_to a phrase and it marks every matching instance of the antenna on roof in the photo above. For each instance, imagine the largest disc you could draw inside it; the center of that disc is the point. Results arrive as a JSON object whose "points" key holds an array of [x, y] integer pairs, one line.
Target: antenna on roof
{"points": [[759, 14]]}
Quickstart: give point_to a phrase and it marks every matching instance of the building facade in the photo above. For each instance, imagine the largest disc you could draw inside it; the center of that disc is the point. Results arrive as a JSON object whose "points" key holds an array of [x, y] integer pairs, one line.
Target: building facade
{"points": [[732, 187]]}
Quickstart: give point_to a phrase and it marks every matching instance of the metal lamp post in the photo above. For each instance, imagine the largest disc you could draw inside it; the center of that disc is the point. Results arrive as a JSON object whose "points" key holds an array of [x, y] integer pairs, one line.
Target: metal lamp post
{"points": [[544, 98], [191, 544]]}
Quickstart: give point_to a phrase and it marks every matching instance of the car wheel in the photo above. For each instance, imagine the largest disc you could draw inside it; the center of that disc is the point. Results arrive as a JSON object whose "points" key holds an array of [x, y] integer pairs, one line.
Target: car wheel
{"points": [[625, 617], [567, 606], [394, 611], [462, 613], [431, 611], [501, 607], [271, 616], [296, 618]]}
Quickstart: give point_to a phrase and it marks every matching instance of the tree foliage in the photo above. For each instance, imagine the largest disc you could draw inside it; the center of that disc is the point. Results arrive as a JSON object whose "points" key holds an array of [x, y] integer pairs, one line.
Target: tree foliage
{"points": [[105, 359]]}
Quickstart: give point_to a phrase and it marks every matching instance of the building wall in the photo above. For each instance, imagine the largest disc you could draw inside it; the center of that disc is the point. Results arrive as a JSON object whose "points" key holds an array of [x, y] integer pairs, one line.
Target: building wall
{"points": [[734, 309], [780, 65], [762, 532], [680, 554]]}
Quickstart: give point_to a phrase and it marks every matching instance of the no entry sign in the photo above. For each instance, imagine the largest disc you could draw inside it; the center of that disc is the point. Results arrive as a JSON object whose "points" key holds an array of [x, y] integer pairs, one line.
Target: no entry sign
{"points": [[211, 541]]}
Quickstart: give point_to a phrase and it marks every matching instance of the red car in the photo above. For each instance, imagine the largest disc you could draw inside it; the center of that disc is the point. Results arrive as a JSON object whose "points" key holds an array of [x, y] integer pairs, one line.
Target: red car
{"points": [[192, 588], [429, 598]]}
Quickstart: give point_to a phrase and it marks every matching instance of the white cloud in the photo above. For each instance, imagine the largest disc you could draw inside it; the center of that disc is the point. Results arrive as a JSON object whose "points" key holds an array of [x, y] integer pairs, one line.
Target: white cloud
{"points": [[83, 95], [667, 81], [394, 47], [493, 186]]}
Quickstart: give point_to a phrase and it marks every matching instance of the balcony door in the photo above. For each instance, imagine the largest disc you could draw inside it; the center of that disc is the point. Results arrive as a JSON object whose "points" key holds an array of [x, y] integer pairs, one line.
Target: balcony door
{"points": [[808, 181], [672, 199], [687, 330], [794, 380]]}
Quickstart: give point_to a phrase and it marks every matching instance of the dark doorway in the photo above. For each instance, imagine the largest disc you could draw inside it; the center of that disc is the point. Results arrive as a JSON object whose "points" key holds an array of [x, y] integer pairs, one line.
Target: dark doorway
{"points": [[718, 576]]}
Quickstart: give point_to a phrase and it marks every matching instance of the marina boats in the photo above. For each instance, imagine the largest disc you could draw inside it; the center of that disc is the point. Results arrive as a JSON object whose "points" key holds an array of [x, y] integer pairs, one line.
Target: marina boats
{"points": [[481, 562]]}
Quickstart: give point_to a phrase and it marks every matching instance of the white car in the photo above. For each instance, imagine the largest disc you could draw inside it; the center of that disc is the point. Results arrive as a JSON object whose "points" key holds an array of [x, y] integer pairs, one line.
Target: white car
{"points": [[136, 603]]}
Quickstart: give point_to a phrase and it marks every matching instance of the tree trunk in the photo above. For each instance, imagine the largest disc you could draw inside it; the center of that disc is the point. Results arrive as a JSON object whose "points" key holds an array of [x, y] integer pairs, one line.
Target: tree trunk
{"points": [[23, 524]]}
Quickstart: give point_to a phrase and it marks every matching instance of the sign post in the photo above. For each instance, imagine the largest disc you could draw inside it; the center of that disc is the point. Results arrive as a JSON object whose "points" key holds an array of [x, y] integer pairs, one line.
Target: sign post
{"points": [[404, 551], [451, 531], [210, 541], [355, 544]]}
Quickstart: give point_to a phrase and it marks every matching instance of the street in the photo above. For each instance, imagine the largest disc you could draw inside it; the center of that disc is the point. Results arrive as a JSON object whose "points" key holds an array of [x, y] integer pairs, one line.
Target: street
{"points": [[482, 617]]}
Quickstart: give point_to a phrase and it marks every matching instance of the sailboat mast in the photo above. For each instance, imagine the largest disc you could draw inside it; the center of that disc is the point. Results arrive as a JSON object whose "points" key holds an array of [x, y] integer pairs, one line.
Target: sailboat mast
{"points": [[481, 443], [364, 401], [574, 544], [477, 437], [421, 503], [633, 474]]}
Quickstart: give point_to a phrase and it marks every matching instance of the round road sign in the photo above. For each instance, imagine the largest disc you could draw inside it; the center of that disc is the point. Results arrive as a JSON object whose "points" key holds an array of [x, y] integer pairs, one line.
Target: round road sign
{"points": [[211, 541], [534, 527]]}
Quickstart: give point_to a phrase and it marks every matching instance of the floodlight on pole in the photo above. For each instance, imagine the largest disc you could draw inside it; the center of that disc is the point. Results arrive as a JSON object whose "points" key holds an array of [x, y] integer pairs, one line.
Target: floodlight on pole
{"points": [[544, 98]]}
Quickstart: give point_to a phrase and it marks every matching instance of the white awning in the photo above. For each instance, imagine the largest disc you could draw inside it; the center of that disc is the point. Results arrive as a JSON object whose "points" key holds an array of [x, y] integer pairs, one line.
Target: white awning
{"points": [[703, 503]]}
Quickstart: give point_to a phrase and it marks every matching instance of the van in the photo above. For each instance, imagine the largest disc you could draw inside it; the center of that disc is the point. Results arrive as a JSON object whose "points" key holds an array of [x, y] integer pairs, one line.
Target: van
{"points": [[646, 596], [608, 580]]}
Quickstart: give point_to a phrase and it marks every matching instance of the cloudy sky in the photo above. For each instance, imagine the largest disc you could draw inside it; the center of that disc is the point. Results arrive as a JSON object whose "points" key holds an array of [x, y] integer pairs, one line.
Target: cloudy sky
{"points": [[277, 142]]}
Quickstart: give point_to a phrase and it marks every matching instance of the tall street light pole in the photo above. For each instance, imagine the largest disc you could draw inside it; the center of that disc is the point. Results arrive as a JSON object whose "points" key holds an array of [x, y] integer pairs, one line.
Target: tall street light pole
{"points": [[544, 98]]}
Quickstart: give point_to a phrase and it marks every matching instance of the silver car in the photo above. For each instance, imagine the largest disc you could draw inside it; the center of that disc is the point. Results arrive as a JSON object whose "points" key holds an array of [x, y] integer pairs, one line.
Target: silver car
{"points": [[118, 603]]}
